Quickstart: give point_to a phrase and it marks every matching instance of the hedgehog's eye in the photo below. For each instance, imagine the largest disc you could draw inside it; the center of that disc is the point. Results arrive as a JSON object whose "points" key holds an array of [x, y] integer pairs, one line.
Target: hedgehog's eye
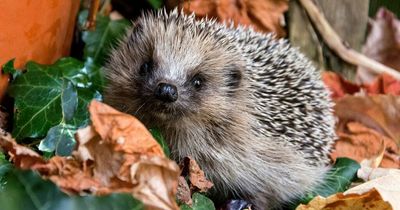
{"points": [[197, 81], [145, 68]]}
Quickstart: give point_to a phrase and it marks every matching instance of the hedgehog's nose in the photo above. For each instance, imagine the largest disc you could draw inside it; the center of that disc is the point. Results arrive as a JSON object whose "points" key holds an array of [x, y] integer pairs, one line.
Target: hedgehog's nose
{"points": [[166, 92]]}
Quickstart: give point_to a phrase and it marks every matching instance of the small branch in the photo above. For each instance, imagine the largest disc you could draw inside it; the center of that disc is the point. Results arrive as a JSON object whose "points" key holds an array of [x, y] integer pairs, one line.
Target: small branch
{"points": [[334, 42], [91, 19]]}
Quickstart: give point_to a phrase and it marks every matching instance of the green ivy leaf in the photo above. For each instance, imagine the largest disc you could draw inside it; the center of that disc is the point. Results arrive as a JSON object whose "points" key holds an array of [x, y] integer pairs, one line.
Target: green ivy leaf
{"points": [[81, 117], [60, 139], [25, 190], [8, 68], [69, 100], [75, 71], [37, 96], [49, 95], [95, 73], [98, 43], [160, 139], [200, 202], [338, 179]]}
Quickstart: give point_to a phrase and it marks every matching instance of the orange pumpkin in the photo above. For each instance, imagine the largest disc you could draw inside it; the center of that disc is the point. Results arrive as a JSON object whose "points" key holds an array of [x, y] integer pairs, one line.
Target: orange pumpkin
{"points": [[38, 30]]}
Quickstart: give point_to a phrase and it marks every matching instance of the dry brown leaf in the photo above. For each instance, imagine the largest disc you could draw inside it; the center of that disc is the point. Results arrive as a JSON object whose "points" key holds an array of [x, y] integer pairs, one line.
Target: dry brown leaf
{"points": [[380, 112], [382, 44], [157, 180], [368, 173], [22, 157], [115, 154], [339, 87], [263, 15], [123, 151], [379, 194], [360, 142], [125, 132], [375, 160], [196, 176], [183, 194], [370, 200], [388, 188]]}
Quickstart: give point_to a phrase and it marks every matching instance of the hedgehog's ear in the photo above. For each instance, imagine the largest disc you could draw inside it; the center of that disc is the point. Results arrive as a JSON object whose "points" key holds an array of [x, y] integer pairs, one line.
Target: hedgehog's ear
{"points": [[234, 76]]}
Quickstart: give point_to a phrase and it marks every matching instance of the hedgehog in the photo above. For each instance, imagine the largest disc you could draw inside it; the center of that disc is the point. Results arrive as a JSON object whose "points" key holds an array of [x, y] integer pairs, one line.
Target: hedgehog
{"points": [[249, 108]]}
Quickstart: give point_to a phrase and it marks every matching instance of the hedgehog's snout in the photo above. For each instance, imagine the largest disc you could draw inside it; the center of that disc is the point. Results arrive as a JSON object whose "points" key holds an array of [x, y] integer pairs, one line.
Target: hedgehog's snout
{"points": [[166, 92]]}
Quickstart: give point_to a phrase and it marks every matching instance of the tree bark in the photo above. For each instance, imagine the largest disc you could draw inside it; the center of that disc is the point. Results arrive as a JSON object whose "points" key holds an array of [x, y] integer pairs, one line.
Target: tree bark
{"points": [[349, 18]]}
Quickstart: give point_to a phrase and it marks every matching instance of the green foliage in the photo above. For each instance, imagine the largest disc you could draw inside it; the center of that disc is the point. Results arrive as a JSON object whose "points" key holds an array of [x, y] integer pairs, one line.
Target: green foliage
{"points": [[4, 167], [60, 139], [160, 139], [55, 96], [156, 4], [98, 43], [200, 202], [26, 190], [8, 68], [338, 179]]}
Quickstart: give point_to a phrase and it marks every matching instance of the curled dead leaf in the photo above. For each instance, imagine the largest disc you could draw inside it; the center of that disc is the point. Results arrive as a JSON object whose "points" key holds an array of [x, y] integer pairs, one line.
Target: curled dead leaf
{"points": [[359, 142], [367, 173], [339, 87], [378, 194], [183, 193], [388, 188], [116, 154], [370, 200], [197, 178], [157, 179], [382, 44], [22, 157], [123, 131], [365, 123], [263, 15]]}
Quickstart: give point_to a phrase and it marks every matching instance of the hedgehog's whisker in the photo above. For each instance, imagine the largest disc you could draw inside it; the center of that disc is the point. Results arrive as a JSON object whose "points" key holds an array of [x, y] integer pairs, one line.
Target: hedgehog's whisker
{"points": [[141, 106]]}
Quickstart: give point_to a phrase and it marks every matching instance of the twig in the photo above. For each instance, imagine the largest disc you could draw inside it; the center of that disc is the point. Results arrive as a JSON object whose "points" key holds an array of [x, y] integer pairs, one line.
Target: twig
{"points": [[91, 19], [334, 42]]}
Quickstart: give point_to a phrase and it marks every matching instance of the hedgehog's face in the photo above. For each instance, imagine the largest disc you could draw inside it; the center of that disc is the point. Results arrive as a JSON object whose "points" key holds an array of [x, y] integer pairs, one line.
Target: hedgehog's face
{"points": [[163, 72]]}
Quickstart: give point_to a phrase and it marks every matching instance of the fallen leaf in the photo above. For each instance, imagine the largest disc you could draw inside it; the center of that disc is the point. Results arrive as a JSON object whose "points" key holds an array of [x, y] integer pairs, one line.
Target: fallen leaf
{"points": [[368, 201], [125, 132], [339, 87], [116, 154], [375, 160], [388, 188], [183, 194], [382, 44], [383, 84], [380, 112], [263, 15], [123, 150], [378, 194], [22, 157], [197, 177], [368, 173], [360, 142]]}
